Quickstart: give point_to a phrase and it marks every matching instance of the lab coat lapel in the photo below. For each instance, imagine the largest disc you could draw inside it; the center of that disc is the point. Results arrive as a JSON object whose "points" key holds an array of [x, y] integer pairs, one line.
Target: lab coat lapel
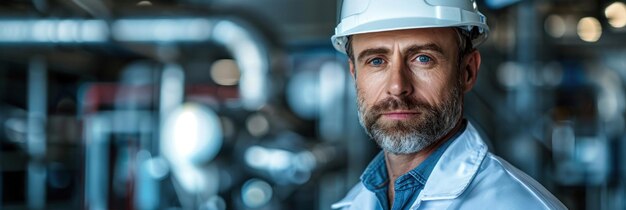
{"points": [[358, 198]]}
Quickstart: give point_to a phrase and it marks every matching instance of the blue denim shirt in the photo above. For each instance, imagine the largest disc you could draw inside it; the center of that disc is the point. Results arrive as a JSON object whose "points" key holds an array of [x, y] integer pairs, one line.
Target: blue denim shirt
{"points": [[407, 186]]}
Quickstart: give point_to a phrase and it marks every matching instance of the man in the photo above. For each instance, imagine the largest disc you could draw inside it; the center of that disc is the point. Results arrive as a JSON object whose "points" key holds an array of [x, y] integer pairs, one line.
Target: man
{"points": [[412, 61]]}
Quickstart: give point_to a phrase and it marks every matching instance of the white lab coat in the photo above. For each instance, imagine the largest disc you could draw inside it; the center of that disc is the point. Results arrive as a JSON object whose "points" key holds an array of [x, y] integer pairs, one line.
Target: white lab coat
{"points": [[468, 176]]}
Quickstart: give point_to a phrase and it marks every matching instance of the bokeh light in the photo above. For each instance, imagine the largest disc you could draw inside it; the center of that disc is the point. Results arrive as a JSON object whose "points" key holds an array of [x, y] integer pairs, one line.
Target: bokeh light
{"points": [[555, 26], [616, 14], [225, 72], [589, 29], [256, 193]]}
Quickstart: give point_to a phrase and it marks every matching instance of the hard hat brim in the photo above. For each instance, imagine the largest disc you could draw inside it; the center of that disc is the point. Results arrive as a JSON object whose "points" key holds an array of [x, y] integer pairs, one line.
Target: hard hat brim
{"points": [[340, 38]]}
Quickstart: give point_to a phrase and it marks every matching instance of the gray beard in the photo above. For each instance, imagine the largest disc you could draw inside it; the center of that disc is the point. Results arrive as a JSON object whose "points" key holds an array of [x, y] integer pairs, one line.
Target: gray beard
{"points": [[411, 136]]}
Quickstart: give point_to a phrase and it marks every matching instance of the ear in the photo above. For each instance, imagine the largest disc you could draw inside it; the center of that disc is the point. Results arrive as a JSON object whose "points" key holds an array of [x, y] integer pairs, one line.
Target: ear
{"points": [[470, 70], [352, 70]]}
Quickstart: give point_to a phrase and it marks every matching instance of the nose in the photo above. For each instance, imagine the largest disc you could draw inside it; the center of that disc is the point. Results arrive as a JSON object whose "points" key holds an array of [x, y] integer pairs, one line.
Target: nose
{"points": [[399, 80]]}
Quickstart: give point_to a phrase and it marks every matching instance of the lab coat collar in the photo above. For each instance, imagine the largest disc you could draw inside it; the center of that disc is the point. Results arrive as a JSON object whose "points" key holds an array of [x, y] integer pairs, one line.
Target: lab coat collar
{"points": [[456, 168]]}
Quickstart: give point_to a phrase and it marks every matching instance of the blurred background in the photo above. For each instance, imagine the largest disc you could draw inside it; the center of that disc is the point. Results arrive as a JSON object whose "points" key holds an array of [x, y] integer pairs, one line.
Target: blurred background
{"points": [[234, 104]]}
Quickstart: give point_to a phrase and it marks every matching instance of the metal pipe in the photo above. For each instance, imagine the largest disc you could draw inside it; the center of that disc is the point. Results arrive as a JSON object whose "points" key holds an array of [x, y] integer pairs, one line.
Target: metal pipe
{"points": [[36, 138]]}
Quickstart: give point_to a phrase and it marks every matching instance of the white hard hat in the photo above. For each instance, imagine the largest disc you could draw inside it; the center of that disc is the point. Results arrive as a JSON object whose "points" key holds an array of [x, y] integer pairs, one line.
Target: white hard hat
{"points": [[366, 16]]}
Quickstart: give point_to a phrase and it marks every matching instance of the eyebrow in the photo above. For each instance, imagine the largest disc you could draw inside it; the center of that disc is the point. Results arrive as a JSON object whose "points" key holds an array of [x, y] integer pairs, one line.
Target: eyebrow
{"points": [[372, 51], [412, 49]]}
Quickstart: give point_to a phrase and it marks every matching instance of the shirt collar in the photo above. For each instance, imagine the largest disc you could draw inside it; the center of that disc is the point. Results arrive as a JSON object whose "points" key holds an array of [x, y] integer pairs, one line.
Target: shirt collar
{"points": [[374, 177]]}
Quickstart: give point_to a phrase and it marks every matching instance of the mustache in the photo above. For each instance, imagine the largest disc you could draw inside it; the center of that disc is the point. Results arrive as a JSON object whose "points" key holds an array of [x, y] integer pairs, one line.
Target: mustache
{"points": [[399, 103]]}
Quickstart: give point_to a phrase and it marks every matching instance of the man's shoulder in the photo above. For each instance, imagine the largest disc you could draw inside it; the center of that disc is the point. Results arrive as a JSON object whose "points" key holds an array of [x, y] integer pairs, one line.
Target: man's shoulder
{"points": [[507, 185]]}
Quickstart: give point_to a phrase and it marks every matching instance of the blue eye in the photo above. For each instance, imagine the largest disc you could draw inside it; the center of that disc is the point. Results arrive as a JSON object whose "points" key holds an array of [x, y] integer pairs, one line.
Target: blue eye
{"points": [[424, 59], [377, 61]]}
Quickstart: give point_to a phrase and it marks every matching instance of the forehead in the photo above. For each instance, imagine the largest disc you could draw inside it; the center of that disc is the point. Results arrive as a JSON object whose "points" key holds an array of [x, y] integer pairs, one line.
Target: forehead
{"points": [[445, 38]]}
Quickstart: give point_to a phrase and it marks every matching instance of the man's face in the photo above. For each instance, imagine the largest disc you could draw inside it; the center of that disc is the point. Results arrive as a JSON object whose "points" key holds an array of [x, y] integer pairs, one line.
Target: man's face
{"points": [[408, 86]]}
